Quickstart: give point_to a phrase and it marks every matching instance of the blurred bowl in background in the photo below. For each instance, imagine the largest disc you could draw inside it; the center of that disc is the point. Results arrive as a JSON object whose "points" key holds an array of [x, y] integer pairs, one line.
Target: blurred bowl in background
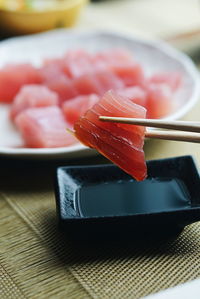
{"points": [[27, 21]]}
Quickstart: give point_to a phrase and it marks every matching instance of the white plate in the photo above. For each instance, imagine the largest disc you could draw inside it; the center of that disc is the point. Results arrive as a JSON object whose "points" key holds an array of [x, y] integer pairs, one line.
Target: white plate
{"points": [[154, 56]]}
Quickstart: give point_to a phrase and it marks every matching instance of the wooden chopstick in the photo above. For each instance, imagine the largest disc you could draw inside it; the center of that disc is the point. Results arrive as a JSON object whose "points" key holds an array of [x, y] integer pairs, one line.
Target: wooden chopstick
{"points": [[174, 136], [190, 126]]}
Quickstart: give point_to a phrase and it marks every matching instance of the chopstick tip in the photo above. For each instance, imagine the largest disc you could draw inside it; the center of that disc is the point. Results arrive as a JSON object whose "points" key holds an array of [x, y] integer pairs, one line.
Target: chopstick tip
{"points": [[72, 132], [102, 118]]}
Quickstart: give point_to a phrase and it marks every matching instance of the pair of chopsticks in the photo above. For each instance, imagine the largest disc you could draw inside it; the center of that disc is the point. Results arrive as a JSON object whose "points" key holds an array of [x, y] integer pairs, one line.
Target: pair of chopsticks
{"points": [[190, 131]]}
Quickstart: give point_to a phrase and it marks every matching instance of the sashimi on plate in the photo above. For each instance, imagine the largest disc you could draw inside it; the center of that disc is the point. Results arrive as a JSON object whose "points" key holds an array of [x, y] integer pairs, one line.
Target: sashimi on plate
{"points": [[112, 57], [76, 107], [130, 74], [172, 79], [159, 101], [73, 83], [31, 96], [136, 94], [13, 77], [77, 63], [44, 128], [63, 86]]}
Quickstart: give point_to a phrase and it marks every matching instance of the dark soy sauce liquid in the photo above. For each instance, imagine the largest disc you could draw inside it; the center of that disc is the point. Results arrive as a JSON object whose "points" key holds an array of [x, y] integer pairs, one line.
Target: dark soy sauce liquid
{"points": [[131, 197]]}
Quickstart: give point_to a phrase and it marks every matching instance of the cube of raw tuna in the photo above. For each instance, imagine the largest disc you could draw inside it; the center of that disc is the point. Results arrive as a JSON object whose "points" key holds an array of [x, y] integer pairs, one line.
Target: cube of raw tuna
{"points": [[106, 59], [108, 80], [13, 77], [87, 84], [160, 101], [77, 63], [130, 74], [120, 143], [31, 96], [50, 71], [63, 87], [97, 83], [76, 107], [44, 128], [172, 79], [136, 94]]}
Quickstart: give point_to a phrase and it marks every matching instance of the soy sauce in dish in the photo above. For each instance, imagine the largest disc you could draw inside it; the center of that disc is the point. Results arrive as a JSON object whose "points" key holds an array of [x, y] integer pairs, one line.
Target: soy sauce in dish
{"points": [[130, 197]]}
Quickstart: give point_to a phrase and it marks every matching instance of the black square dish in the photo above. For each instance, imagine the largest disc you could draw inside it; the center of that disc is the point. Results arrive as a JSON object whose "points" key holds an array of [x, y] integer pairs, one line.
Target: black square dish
{"points": [[102, 200]]}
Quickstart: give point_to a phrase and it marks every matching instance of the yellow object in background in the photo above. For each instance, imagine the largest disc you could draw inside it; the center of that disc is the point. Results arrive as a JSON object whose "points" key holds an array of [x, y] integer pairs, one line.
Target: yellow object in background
{"points": [[25, 19], [16, 4]]}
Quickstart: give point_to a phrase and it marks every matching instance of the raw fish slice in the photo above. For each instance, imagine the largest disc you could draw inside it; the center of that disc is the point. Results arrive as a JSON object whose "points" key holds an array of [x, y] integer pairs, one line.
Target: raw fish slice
{"points": [[50, 71], [130, 137], [13, 77], [116, 148], [172, 79], [31, 96], [123, 107], [63, 86], [108, 80], [97, 82], [76, 107], [107, 111], [126, 157], [117, 143], [88, 84], [91, 140], [160, 100], [106, 59], [136, 94], [130, 74], [44, 128], [55, 79], [78, 63]]}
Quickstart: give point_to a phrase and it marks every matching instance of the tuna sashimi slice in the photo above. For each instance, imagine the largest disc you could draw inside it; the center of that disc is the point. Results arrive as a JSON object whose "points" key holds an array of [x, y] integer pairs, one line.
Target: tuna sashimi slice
{"points": [[44, 128], [77, 63], [108, 80], [76, 107], [120, 149], [53, 76], [172, 79], [106, 59], [113, 148], [130, 137], [50, 71], [130, 74], [63, 86], [136, 94], [98, 83], [88, 84], [13, 77], [160, 100], [121, 106], [31, 96]]}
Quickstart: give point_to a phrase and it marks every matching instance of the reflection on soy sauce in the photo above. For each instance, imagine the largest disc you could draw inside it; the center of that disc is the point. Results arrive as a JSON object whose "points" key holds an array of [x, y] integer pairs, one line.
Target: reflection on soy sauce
{"points": [[131, 197]]}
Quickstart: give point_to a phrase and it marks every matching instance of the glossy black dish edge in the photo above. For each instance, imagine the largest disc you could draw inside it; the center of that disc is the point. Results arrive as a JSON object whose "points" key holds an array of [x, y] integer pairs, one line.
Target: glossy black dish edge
{"points": [[69, 179]]}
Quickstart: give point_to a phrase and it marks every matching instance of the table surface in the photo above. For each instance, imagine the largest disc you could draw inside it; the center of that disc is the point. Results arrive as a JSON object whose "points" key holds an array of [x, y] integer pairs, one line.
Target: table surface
{"points": [[36, 261]]}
